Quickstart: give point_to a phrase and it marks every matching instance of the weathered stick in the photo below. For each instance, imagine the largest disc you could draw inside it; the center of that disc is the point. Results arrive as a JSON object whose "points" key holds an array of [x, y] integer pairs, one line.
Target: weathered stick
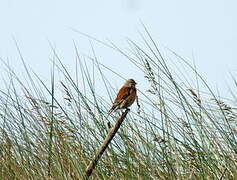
{"points": [[105, 144]]}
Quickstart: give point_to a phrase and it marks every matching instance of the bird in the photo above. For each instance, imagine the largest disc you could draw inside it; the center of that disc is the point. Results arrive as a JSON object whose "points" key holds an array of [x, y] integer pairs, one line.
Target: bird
{"points": [[125, 97]]}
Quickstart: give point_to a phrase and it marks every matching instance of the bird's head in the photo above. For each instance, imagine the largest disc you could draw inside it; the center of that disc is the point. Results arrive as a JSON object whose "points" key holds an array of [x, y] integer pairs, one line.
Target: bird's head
{"points": [[130, 83]]}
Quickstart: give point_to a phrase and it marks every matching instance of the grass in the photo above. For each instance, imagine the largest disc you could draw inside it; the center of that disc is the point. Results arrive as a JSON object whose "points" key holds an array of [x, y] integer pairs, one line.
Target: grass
{"points": [[182, 131]]}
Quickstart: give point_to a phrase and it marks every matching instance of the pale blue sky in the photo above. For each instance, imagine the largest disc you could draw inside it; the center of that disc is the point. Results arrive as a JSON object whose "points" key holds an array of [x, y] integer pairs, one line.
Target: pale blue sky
{"points": [[205, 28]]}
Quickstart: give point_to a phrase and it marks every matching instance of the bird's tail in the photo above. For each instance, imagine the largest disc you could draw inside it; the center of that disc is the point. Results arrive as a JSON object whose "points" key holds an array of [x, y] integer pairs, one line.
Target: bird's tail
{"points": [[111, 110]]}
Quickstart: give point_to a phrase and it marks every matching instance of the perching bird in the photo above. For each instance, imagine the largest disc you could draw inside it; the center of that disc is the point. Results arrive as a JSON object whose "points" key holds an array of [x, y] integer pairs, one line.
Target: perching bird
{"points": [[125, 97]]}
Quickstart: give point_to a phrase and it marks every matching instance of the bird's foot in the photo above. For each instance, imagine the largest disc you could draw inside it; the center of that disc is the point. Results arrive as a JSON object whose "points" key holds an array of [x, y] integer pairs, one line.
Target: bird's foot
{"points": [[127, 109]]}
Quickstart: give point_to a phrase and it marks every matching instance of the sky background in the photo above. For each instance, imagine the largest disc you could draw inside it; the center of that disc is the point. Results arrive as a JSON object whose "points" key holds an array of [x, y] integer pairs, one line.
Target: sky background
{"points": [[205, 30]]}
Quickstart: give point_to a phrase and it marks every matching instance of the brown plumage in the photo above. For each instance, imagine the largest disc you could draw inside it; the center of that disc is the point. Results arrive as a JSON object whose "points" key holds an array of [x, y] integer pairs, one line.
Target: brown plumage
{"points": [[126, 96]]}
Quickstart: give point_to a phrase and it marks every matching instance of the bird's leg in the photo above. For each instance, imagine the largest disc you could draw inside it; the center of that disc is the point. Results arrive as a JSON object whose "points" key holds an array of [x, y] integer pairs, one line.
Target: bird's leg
{"points": [[127, 109]]}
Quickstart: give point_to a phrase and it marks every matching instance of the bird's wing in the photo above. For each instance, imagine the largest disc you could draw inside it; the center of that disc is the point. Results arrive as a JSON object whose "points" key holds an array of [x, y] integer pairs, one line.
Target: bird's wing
{"points": [[123, 93]]}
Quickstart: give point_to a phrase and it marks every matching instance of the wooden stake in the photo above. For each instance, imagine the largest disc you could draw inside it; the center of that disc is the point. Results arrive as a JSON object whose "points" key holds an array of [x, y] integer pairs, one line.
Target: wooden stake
{"points": [[105, 144]]}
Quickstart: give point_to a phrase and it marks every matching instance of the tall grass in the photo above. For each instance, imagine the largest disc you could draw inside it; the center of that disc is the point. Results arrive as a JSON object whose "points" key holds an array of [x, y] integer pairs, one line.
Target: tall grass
{"points": [[182, 131]]}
